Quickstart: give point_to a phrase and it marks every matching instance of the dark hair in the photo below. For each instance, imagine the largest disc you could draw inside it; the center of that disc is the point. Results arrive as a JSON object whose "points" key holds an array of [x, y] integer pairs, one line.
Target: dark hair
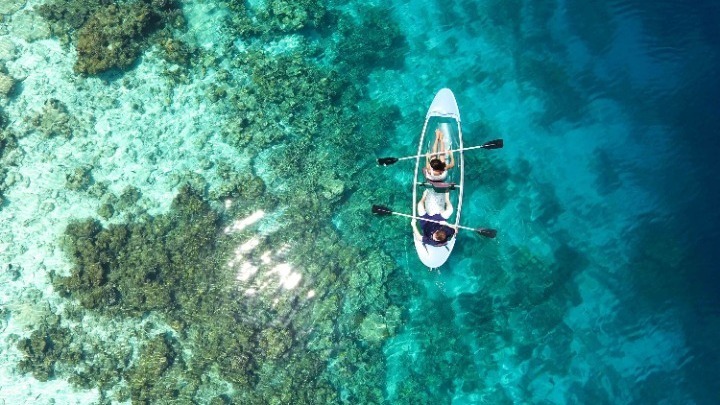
{"points": [[437, 164], [441, 235]]}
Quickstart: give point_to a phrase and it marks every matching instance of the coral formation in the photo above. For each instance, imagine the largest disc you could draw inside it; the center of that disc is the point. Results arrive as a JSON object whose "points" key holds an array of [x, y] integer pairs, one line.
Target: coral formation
{"points": [[280, 17], [155, 358], [169, 264], [128, 197], [54, 120], [292, 15], [258, 340], [6, 84], [67, 16], [8, 50], [239, 184], [112, 37], [78, 179], [134, 267], [8, 144], [106, 211], [42, 351], [563, 97], [176, 51], [11, 6], [374, 41]]}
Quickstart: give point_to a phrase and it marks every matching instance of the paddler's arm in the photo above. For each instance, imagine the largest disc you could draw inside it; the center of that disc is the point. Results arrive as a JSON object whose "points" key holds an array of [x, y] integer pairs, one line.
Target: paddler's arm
{"points": [[452, 162], [416, 232]]}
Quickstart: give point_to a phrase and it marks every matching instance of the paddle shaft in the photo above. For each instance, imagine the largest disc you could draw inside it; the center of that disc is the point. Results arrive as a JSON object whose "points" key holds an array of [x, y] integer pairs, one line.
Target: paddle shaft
{"points": [[447, 151], [432, 220]]}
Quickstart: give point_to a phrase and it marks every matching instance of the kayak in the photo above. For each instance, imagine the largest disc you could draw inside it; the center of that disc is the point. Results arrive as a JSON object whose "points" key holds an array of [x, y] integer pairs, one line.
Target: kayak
{"points": [[438, 189], [444, 115]]}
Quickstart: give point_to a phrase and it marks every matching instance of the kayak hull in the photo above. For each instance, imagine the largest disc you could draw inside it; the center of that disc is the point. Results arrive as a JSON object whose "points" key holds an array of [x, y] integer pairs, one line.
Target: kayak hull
{"points": [[443, 114], [434, 256]]}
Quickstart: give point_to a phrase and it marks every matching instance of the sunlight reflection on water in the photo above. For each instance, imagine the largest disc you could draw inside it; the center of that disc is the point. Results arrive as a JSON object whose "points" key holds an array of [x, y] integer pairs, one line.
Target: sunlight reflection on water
{"points": [[247, 269]]}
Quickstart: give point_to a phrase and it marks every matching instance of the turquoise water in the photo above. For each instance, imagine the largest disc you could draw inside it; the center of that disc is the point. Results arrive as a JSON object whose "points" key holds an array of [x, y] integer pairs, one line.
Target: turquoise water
{"points": [[186, 203]]}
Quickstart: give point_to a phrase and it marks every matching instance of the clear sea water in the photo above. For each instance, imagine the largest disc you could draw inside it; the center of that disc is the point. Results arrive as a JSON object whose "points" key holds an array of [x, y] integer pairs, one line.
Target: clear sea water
{"points": [[601, 286]]}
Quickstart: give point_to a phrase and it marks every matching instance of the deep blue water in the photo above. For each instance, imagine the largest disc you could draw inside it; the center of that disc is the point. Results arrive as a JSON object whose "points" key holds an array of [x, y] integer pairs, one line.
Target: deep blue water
{"points": [[610, 117]]}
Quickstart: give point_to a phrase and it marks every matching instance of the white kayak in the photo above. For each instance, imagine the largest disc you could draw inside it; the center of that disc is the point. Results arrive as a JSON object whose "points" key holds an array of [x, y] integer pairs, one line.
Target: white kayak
{"points": [[444, 115]]}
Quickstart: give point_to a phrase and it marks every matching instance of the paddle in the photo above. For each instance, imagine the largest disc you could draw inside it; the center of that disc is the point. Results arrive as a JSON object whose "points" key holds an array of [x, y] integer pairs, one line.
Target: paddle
{"points": [[494, 144], [384, 211]]}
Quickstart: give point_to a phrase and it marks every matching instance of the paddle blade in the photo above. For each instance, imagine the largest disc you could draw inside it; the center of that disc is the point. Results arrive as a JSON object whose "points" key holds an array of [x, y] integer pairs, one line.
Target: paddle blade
{"points": [[387, 161], [380, 210], [488, 233], [494, 144]]}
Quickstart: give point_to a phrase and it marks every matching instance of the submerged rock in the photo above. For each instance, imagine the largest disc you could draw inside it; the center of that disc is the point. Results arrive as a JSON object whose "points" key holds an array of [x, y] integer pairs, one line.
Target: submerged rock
{"points": [[79, 179], [29, 26], [54, 119], [373, 329], [6, 84], [8, 50], [11, 6]]}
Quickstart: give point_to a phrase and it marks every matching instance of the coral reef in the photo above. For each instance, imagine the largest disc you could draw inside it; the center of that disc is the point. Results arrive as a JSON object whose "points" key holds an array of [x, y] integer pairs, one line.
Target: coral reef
{"points": [[42, 351], [442, 357], [156, 358], [285, 89], [8, 144], [106, 211], [79, 179], [7, 139], [563, 98], [277, 17], [54, 120], [239, 184], [6, 84], [289, 16], [170, 264], [8, 50], [112, 37], [177, 51], [256, 340], [128, 197], [374, 41], [135, 268], [67, 16], [11, 6]]}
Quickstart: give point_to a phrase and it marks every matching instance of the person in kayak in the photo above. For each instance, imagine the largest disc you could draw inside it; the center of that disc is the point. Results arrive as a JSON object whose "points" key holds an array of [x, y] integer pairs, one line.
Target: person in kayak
{"points": [[436, 207], [435, 163]]}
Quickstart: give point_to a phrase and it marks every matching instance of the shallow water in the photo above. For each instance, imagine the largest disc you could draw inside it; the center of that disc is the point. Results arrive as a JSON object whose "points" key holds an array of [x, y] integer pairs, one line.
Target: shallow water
{"points": [[269, 281]]}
